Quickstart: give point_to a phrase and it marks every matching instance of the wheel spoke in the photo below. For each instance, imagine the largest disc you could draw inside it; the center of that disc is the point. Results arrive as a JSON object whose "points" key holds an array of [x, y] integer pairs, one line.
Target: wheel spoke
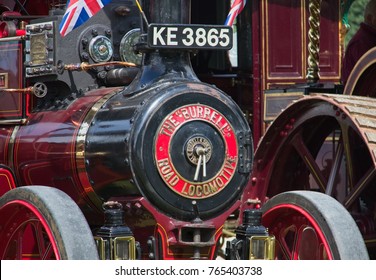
{"points": [[309, 161], [15, 249], [27, 234], [335, 168], [308, 244], [288, 242], [48, 253], [44, 245], [359, 187], [348, 155], [39, 238], [302, 244], [29, 240], [18, 242], [330, 148], [309, 226]]}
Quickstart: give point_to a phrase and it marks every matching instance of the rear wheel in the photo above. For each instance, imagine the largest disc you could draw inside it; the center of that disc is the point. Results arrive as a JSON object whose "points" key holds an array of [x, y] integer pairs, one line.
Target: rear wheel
{"points": [[312, 226], [324, 143], [361, 80], [40, 222]]}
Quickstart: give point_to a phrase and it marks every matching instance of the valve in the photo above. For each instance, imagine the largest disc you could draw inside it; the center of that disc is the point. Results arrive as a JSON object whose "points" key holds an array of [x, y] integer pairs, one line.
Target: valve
{"points": [[39, 90]]}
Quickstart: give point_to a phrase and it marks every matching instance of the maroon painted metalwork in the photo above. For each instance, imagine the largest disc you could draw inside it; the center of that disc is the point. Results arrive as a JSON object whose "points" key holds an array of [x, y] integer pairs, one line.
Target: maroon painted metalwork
{"points": [[299, 236], [257, 125], [175, 237], [74, 144], [92, 142], [282, 42], [310, 226], [323, 144], [13, 105], [284, 48], [362, 80], [7, 182], [30, 229], [48, 145], [34, 226]]}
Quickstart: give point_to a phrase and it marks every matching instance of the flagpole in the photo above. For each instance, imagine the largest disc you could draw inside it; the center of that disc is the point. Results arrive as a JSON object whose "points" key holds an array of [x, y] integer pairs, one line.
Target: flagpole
{"points": [[142, 12]]}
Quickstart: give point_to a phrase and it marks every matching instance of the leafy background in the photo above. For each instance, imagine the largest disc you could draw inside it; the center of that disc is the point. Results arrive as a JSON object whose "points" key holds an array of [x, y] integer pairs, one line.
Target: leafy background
{"points": [[356, 13]]}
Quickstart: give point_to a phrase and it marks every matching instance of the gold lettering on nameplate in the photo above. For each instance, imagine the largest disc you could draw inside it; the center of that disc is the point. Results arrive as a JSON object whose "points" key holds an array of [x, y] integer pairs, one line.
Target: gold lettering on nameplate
{"points": [[175, 181], [193, 189], [194, 112]]}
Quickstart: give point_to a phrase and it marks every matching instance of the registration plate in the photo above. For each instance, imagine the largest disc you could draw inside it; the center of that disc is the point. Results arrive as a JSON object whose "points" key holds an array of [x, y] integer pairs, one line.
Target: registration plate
{"points": [[190, 36]]}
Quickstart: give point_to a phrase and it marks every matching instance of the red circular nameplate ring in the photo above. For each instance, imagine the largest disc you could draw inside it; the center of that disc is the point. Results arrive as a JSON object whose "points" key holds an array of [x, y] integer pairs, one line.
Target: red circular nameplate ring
{"points": [[187, 187]]}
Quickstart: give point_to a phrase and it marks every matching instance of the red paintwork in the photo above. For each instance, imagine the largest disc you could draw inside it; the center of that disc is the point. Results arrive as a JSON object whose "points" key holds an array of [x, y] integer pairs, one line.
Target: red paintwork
{"points": [[287, 220], [6, 180], [172, 179], [282, 42], [25, 240], [256, 87], [280, 51], [33, 7], [149, 222], [36, 7], [46, 145], [10, 59], [280, 60]]}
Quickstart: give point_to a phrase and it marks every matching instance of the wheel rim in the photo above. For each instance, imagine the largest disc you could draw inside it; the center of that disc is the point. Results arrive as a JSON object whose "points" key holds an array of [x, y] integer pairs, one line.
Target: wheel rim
{"points": [[28, 235], [361, 80], [298, 236], [325, 144]]}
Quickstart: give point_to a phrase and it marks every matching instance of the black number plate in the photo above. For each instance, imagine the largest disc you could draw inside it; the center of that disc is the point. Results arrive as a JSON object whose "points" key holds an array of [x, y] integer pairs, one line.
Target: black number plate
{"points": [[190, 36]]}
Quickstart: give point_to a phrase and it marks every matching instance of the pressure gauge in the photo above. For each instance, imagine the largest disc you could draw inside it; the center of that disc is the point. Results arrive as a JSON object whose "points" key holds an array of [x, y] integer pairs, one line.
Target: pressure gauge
{"points": [[100, 49], [129, 40]]}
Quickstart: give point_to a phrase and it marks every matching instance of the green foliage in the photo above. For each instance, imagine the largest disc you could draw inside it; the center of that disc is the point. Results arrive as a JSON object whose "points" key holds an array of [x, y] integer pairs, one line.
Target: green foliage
{"points": [[356, 16]]}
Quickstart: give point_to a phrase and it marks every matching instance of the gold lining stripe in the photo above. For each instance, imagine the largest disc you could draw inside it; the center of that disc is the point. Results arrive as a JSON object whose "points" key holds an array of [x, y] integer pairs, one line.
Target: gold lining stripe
{"points": [[323, 187], [11, 144], [80, 149]]}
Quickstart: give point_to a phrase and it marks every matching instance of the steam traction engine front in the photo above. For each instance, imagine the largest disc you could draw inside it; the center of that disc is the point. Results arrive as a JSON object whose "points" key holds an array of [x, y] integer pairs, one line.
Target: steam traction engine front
{"points": [[104, 154], [167, 154]]}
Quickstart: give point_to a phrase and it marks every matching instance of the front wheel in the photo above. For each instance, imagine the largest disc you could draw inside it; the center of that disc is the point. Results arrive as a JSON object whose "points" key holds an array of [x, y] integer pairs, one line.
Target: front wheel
{"points": [[312, 226], [40, 222]]}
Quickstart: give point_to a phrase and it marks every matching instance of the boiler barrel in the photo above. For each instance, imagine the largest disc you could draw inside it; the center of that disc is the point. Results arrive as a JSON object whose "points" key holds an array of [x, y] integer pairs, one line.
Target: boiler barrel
{"points": [[158, 142]]}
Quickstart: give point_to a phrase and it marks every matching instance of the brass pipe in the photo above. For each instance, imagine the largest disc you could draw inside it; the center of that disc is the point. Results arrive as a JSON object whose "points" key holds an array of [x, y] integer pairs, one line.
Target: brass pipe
{"points": [[84, 66], [11, 90]]}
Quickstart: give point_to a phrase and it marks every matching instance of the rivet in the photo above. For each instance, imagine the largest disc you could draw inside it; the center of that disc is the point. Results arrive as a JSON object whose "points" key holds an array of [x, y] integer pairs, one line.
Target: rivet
{"points": [[254, 181]]}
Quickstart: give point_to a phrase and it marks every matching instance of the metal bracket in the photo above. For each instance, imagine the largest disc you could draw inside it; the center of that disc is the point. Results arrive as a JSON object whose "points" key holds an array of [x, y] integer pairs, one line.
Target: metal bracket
{"points": [[245, 151]]}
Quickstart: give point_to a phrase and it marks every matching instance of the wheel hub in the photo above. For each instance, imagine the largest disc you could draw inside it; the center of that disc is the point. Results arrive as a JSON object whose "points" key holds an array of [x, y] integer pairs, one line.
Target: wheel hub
{"points": [[198, 147], [199, 151]]}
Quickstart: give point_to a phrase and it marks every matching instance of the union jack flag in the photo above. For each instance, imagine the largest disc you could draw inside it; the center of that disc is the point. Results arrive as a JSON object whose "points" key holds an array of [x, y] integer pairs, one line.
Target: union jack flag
{"points": [[236, 8], [79, 11]]}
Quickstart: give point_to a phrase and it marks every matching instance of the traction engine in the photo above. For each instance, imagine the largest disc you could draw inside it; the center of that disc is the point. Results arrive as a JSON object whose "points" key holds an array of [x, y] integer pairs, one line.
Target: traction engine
{"points": [[174, 153], [111, 147]]}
